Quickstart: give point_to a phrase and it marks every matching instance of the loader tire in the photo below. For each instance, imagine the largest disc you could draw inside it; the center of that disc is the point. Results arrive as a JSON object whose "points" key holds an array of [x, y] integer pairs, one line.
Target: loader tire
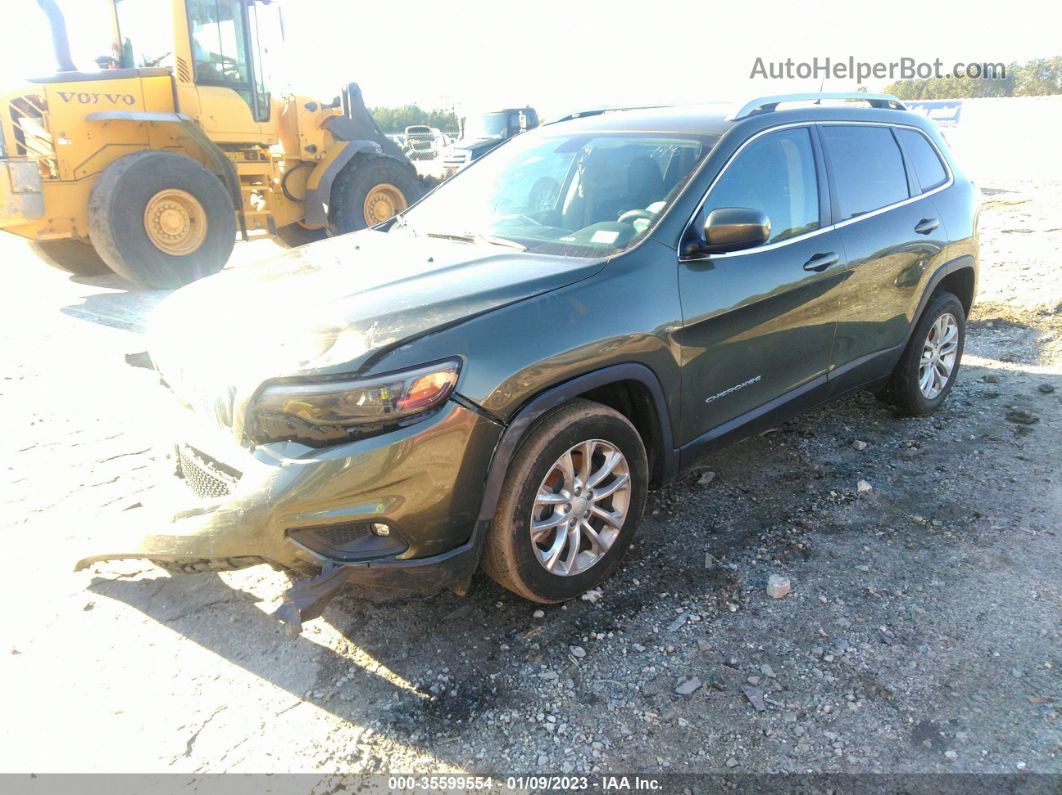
{"points": [[369, 190], [296, 234], [160, 219], [71, 256]]}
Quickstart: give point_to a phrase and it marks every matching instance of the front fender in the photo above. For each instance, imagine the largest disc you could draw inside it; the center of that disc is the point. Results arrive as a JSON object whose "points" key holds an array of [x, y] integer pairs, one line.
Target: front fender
{"points": [[319, 183]]}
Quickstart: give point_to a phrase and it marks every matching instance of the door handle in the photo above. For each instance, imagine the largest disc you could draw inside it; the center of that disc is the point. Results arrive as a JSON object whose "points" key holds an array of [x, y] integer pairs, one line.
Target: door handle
{"points": [[926, 225], [821, 262]]}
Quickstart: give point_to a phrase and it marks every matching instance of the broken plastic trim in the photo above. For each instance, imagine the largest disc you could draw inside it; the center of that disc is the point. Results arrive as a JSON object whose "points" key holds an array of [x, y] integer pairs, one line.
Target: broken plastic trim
{"points": [[307, 598]]}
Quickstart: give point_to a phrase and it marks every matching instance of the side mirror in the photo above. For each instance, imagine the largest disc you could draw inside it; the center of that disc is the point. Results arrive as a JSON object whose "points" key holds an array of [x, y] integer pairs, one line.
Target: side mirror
{"points": [[734, 228]]}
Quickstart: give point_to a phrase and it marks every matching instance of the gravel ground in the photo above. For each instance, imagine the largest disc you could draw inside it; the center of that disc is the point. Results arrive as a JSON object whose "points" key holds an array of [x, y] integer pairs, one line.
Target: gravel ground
{"points": [[921, 633]]}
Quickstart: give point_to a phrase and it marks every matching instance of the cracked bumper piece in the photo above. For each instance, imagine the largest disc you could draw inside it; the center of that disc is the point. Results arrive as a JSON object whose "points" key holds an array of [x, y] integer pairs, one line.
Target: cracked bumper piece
{"points": [[307, 598], [394, 512]]}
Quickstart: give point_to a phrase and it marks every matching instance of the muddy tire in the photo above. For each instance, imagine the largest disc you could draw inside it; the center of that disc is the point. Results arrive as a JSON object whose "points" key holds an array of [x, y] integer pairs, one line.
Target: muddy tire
{"points": [[927, 370], [369, 190], [71, 256], [294, 235], [549, 540], [160, 219]]}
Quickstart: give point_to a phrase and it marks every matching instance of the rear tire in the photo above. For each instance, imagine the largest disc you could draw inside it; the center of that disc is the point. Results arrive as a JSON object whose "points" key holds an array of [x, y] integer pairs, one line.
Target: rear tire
{"points": [[71, 256], [515, 558], [188, 233], [350, 210], [905, 389]]}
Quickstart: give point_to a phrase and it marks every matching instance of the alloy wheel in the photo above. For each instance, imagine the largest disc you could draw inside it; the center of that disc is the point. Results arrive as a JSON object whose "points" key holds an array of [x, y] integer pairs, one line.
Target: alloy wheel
{"points": [[580, 507], [938, 355]]}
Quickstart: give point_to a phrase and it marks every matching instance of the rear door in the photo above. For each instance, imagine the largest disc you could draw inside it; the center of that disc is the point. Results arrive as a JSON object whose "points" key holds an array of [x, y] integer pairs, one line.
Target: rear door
{"points": [[892, 236], [758, 323]]}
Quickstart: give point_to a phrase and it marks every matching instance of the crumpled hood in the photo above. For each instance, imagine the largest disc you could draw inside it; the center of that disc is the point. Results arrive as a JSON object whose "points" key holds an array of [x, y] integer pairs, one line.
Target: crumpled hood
{"points": [[328, 307]]}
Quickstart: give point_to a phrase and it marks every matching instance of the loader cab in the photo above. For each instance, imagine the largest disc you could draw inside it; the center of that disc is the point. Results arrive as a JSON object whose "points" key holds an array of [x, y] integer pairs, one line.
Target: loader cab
{"points": [[221, 47]]}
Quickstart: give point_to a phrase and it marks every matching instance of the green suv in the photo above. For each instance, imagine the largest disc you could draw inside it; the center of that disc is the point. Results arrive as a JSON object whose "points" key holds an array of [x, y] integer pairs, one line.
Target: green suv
{"points": [[496, 377]]}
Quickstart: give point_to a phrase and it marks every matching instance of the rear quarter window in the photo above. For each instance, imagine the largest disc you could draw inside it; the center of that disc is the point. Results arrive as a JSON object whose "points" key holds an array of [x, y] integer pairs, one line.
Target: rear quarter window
{"points": [[929, 171], [867, 168]]}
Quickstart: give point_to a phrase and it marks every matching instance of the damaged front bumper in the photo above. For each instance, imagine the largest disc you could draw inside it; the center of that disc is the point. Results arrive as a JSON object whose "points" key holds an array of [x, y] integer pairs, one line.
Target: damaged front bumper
{"points": [[395, 513]]}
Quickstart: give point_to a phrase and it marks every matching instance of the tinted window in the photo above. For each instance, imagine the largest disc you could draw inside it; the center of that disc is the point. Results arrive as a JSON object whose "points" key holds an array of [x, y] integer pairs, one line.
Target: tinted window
{"points": [[776, 175], [868, 170], [921, 154]]}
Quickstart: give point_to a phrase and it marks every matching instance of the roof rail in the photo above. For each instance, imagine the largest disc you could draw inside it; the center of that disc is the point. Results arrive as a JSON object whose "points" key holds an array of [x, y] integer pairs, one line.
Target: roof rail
{"points": [[582, 114], [767, 104]]}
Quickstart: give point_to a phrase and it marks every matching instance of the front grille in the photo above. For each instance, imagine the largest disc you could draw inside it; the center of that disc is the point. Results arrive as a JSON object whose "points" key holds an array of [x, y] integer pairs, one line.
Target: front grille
{"points": [[456, 161], [29, 126], [207, 478]]}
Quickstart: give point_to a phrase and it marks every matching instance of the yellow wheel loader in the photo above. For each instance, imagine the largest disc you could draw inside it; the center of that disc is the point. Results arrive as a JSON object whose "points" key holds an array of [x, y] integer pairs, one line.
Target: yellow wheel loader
{"points": [[151, 166]]}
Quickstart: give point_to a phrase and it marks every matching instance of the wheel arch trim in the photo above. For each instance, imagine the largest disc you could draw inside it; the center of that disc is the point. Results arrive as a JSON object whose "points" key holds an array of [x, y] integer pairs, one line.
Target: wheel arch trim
{"points": [[963, 262], [559, 394]]}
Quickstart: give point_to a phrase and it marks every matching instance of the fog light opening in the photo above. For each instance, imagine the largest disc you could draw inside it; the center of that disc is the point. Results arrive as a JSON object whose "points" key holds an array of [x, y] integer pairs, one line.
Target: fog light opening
{"points": [[381, 529]]}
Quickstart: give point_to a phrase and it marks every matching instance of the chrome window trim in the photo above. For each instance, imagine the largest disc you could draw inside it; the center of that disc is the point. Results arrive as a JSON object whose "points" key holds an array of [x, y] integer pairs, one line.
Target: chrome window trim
{"points": [[838, 225]]}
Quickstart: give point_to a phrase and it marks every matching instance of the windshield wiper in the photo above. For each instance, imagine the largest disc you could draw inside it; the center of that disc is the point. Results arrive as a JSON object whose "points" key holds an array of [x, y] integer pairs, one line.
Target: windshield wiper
{"points": [[479, 237]]}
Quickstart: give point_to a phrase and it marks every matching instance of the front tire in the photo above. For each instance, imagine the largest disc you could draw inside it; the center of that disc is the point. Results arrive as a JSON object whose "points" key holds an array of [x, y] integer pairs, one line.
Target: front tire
{"points": [[927, 370], [160, 219], [71, 256], [571, 503], [370, 190]]}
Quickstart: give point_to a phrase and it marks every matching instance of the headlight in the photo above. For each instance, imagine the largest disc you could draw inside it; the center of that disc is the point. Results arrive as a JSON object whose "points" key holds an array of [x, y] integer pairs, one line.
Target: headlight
{"points": [[328, 411]]}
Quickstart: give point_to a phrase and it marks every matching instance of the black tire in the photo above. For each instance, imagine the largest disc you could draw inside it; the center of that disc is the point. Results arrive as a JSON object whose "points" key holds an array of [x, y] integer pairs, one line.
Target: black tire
{"points": [[509, 556], [358, 177], [294, 235], [902, 390], [71, 256], [116, 218]]}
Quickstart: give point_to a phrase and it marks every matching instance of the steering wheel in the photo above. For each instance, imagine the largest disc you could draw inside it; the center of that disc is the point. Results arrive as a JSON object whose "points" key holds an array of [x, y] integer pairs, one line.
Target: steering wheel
{"points": [[229, 68], [543, 194], [634, 215]]}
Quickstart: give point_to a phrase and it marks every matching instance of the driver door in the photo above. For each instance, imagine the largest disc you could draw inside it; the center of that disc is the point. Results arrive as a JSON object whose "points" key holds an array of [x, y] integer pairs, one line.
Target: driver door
{"points": [[758, 323]]}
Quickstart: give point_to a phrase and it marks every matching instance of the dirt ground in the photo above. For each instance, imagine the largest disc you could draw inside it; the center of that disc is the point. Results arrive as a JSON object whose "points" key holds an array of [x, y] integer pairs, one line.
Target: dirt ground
{"points": [[921, 634]]}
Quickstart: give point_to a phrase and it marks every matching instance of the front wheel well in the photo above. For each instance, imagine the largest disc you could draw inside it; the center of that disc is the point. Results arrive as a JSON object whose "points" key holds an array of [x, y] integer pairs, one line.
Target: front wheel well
{"points": [[634, 401]]}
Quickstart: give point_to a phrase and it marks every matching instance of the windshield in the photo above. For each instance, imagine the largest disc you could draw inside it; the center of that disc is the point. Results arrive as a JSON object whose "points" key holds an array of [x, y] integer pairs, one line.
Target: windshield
{"points": [[591, 194], [489, 125]]}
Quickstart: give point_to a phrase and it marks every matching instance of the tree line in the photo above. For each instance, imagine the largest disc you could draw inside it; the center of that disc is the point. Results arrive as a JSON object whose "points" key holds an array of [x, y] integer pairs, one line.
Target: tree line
{"points": [[1036, 78], [395, 120]]}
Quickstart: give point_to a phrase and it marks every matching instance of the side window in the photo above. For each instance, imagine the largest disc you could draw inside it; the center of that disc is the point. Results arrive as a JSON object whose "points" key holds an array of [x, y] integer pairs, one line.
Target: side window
{"points": [[219, 42], [774, 174], [143, 42], [867, 168], [924, 158]]}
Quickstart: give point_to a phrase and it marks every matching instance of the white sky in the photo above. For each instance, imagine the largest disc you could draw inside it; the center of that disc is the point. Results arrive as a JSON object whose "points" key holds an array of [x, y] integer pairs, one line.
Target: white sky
{"points": [[559, 55]]}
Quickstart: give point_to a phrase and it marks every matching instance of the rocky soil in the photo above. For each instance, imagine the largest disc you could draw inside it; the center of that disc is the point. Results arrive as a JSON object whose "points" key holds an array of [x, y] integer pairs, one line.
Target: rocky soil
{"points": [[920, 631]]}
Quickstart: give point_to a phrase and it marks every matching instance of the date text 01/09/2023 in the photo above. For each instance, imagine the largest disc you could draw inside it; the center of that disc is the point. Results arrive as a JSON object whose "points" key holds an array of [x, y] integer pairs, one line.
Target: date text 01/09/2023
{"points": [[537, 783]]}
